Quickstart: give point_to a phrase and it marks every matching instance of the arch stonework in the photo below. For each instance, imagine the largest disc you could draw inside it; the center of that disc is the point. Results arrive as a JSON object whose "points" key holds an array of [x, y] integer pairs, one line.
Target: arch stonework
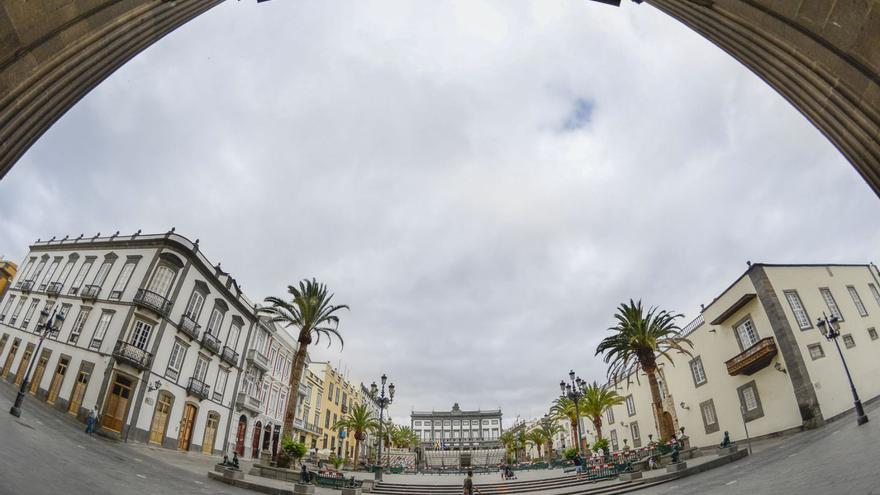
{"points": [[822, 56]]}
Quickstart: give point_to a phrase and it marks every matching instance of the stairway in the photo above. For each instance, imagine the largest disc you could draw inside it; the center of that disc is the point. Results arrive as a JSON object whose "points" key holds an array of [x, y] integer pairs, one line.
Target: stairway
{"points": [[561, 485]]}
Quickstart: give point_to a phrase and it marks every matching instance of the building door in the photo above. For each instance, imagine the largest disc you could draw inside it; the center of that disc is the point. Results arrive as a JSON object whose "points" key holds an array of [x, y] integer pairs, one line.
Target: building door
{"points": [[57, 379], [186, 427], [9, 357], [41, 369], [160, 418], [117, 404], [210, 433], [79, 391], [255, 446], [241, 435], [23, 364]]}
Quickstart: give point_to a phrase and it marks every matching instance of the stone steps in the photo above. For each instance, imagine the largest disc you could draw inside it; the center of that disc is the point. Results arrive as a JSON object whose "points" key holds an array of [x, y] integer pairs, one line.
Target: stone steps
{"points": [[564, 485]]}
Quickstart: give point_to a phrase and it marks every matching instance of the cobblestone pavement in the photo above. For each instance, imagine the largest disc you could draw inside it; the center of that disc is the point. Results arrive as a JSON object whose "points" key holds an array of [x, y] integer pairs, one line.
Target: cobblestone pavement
{"points": [[839, 458]]}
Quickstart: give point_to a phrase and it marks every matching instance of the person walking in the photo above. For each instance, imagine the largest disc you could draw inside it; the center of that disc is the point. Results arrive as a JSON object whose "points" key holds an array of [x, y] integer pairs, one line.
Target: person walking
{"points": [[578, 466], [92, 420], [469, 488]]}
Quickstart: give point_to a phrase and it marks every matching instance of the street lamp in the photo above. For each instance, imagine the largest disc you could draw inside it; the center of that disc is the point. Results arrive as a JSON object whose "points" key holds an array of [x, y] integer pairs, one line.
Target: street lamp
{"points": [[830, 327], [45, 327], [574, 391], [382, 401]]}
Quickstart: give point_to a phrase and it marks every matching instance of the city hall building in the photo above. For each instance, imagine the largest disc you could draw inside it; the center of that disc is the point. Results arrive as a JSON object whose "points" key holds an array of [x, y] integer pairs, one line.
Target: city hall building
{"points": [[457, 429], [161, 341], [759, 358]]}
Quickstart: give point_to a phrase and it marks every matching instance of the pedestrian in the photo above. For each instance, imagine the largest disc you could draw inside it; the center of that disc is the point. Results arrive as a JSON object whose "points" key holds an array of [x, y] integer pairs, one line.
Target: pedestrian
{"points": [[92, 420], [578, 465], [469, 488]]}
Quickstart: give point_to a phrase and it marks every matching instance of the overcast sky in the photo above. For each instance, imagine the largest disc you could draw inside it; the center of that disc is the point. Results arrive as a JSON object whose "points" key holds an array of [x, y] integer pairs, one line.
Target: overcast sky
{"points": [[481, 181]]}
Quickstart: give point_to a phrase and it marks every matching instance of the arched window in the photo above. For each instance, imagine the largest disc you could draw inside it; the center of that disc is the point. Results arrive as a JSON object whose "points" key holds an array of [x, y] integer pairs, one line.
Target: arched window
{"points": [[162, 279]]}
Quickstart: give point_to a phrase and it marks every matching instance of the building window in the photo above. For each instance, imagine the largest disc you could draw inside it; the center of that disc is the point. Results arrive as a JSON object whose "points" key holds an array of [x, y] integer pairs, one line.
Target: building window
{"points": [[6, 307], [609, 413], [140, 337], [710, 419], [215, 322], [17, 310], [848, 341], [698, 373], [175, 361], [872, 332], [194, 306], [65, 272], [816, 351], [860, 307], [162, 280], [122, 280], [29, 313], [201, 371], [875, 293], [49, 273], [831, 303], [101, 276], [234, 332], [220, 384], [630, 405], [80, 277], [750, 401], [614, 445], [746, 333], [79, 324], [101, 329], [636, 435], [797, 307]]}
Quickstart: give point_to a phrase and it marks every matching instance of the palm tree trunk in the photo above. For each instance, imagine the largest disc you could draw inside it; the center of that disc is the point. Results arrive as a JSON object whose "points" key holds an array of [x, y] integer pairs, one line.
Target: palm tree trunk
{"points": [[357, 450], [657, 402], [597, 424], [575, 441], [299, 361]]}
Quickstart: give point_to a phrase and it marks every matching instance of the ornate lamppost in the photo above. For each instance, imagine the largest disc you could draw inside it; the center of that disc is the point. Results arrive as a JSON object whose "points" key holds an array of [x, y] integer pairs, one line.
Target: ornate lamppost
{"points": [[382, 401], [830, 327], [45, 327], [574, 391]]}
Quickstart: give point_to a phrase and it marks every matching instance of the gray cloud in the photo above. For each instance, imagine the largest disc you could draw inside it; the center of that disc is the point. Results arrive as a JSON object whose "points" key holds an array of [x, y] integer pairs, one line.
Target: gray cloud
{"points": [[421, 159]]}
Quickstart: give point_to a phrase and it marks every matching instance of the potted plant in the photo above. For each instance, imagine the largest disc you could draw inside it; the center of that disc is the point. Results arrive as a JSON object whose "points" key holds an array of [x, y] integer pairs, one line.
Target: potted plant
{"points": [[291, 452]]}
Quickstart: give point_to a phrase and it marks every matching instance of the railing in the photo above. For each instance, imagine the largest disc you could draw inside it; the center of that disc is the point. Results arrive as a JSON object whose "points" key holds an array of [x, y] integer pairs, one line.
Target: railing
{"points": [[54, 288], [752, 359], [27, 286], [198, 388], [693, 325], [258, 360], [189, 327], [312, 428], [210, 343], [137, 357], [90, 292], [151, 300], [245, 401], [229, 355]]}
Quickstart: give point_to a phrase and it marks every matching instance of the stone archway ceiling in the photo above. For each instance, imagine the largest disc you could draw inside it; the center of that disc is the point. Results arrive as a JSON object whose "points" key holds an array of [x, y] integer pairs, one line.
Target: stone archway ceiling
{"points": [[822, 56]]}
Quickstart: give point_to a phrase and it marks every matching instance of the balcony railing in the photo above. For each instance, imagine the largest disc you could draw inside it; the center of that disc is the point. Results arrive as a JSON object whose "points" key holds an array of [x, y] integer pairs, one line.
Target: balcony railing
{"points": [[198, 388], [258, 360], [229, 355], [90, 292], [54, 288], [210, 343], [189, 327], [245, 401], [312, 428], [151, 300], [753, 359], [128, 353], [27, 286]]}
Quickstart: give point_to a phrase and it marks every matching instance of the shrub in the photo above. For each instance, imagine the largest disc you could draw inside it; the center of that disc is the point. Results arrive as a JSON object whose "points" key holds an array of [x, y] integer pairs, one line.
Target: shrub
{"points": [[570, 454], [601, 444], [295, 450]]}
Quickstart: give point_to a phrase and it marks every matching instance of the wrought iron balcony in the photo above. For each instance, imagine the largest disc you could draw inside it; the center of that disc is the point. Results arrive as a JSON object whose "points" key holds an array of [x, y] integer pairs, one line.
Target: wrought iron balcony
{"points": [[90, 292], [258, 360], [229, 355], [128, 353], [151, 300], [246, 402], [189, 327], [210, 343], [27, 286], [753, 359], [312, 428], [198, 388], [54, 288]]}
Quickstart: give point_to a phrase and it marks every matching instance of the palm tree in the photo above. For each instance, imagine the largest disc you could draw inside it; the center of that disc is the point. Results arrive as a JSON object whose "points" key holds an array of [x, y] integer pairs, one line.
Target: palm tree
{"points": [[638, 341], [521, 442], [508, 440], [359, 421], [548, 428], [404, 437], [536, 437], [311, 313], [597, 400], [564, 408]]}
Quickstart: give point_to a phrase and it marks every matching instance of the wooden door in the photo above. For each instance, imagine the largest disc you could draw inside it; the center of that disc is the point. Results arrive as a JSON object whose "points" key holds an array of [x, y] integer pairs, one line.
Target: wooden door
{"points": [[38, 373], [57, 380], [23, 364], [117, 404], [186, 427], [160, 418], [240, 436], [210, 433], [9, 357], [79, 391], [255, 446]]}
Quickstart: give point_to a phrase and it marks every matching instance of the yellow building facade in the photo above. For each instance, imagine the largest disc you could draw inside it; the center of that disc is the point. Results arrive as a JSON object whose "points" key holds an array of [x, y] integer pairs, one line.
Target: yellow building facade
{"points": [[338, 395], [8, 269]]}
